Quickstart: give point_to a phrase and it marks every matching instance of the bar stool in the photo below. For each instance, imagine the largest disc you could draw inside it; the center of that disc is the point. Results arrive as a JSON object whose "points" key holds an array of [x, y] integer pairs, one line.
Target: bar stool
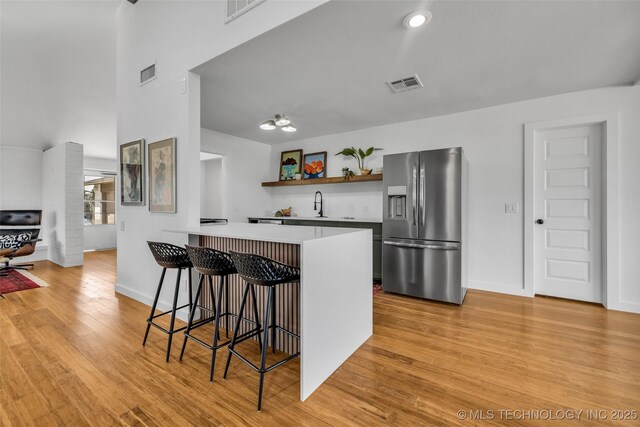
{"points": [[257, 270], [173, 257], [210, 262]]}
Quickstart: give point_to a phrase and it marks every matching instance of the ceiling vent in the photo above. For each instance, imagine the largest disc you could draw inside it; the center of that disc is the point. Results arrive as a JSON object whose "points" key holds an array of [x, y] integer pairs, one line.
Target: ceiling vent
{"points": [[406, 84], [148, 74], [236, 8]]}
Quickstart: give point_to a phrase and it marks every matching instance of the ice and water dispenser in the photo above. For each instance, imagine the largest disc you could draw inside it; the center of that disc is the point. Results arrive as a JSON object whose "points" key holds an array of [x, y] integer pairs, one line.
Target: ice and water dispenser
{"points": [[397, 201]]}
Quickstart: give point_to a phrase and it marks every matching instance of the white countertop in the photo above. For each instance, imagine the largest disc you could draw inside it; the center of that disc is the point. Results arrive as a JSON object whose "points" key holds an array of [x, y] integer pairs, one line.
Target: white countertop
{"points": [[294, 234], [315, 218]]}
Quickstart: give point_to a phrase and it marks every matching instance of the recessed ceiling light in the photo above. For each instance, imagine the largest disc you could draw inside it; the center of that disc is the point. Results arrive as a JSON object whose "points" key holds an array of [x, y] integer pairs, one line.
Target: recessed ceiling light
{"points": [[268, 125], [289, 128], [417, 19]]}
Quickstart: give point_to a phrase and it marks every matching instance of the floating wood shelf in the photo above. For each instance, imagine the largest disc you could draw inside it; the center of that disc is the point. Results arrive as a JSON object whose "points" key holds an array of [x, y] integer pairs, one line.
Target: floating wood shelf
{"points": [[331, 180]]}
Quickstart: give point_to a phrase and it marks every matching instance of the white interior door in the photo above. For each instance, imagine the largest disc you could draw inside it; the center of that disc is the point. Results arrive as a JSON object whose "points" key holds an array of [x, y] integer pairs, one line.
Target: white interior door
{"points": [[568, 213]]}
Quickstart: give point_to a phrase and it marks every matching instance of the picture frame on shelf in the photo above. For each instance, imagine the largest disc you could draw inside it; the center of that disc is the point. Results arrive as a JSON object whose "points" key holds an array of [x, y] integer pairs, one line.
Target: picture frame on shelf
{"points": [[162, 176], [132, 169], [315, 165], [290, 165]]}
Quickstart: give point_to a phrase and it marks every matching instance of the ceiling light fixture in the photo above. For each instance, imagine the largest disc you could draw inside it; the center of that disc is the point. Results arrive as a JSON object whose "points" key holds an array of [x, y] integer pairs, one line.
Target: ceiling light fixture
{"points": [[417, 19], [268, 125], [280, 121]]}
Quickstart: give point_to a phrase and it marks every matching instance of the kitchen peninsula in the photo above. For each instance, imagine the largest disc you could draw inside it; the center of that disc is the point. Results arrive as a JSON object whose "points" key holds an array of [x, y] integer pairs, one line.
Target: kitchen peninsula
{"points": [[332, 309], [375, 225]]}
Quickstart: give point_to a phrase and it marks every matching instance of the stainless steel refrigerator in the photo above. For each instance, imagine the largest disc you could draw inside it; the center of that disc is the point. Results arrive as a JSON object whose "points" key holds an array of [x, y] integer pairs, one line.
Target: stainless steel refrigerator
{"points": [[424, 226]]}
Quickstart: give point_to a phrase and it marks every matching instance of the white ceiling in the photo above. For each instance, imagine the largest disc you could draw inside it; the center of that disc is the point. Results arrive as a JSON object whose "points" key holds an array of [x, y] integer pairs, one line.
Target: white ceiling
{"points": [[327, 69], [58, 74]]}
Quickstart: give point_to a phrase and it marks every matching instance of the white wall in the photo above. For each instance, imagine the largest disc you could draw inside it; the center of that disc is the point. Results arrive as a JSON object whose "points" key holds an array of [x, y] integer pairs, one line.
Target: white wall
{"points": [[97, 237], [213, 189], [246, 167], [20, 178], [21, 187], [62, 203], [178, 36], [493, 139]]}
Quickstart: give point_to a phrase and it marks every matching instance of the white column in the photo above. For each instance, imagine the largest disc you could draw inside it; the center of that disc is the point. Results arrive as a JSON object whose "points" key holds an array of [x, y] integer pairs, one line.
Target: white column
{"points": [[62, 203]]}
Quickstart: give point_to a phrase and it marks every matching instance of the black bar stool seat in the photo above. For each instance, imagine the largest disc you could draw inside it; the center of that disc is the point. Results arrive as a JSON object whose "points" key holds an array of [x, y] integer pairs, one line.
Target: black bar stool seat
{"points": [[257, 270], [210, 262], [169, 256]]}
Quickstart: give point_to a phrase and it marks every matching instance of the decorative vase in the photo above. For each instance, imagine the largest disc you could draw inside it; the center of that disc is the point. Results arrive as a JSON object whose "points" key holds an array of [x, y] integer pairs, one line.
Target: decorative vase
{"points": [[365, 171]]}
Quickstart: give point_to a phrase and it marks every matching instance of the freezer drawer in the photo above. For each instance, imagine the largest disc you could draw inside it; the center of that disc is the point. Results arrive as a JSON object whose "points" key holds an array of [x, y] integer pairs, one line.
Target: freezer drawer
{"points": [[425, 269]]}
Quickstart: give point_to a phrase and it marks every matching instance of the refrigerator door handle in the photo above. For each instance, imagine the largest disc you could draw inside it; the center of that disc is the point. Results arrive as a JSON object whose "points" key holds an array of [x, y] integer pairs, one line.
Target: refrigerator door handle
{"points": [[422, 197], [415, 192], [419, 246]]}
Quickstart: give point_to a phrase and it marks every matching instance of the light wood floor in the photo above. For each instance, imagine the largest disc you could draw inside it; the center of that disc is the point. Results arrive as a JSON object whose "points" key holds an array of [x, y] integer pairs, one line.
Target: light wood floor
{"points": [[72, 354]]}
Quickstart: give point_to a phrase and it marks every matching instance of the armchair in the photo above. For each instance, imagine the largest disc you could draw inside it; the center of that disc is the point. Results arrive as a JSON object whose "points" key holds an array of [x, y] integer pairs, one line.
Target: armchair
{"points": [[18, 242]]}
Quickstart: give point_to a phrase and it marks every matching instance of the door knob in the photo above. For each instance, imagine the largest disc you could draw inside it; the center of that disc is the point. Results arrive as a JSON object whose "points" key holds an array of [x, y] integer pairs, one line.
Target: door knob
{"points": [[540, 221]]}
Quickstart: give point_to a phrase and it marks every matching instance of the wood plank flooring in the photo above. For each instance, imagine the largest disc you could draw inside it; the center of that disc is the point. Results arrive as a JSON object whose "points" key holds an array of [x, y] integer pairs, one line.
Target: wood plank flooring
{"points": [[71, 354]]}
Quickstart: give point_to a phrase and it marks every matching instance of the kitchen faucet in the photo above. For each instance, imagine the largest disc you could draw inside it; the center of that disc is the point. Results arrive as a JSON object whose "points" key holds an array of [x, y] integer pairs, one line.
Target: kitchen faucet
{"points": [[315, 204]]}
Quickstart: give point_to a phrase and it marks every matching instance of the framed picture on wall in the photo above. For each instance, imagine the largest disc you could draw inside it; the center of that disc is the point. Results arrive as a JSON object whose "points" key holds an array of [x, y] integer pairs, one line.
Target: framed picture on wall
{"points": [[315, 165], [132, 173], [290, 164], [162, 176]]}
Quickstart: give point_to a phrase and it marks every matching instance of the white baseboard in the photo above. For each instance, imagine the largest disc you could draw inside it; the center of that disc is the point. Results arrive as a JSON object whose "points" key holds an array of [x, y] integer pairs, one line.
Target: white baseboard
{"points": [[629, 307], [148, 300], [495, 287], [511, 290]]}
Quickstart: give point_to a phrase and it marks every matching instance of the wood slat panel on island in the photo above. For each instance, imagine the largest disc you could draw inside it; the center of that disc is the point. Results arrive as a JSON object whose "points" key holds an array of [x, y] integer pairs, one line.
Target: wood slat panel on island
{"points": [[330, 180]]}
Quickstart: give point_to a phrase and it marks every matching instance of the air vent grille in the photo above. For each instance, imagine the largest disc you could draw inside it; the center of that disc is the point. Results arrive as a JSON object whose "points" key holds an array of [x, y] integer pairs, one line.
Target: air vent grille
{"points": [[406, 84], [148, 74], [236, 8]]}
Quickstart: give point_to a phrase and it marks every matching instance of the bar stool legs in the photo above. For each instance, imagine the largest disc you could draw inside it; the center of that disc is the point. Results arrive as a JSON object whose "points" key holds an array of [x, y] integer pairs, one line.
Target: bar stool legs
{"points": [[236, 328], [265, 343], [237, 339], [218, 315], [173, 257], [174, 309], [269, 327], [216, 331], [153, 307]]}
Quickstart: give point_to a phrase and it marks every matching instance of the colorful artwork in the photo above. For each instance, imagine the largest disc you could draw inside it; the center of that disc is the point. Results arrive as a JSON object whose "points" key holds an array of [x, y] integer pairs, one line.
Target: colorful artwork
{"points": [[290, 164], [132, 173], [315, 165], [162, 176]]}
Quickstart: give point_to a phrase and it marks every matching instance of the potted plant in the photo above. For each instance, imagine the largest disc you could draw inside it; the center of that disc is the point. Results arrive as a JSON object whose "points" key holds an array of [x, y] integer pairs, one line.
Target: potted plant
{"points": [[347, 173], [360, 155]]}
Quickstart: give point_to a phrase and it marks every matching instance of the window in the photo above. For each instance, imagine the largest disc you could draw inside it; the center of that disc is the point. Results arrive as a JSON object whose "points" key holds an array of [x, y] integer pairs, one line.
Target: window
{"points": [[99, 200]]}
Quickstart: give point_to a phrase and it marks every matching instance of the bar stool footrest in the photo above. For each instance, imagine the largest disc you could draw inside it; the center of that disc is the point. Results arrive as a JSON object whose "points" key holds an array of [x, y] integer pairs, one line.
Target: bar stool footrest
{"points": [[280, 328], [168, 312], [201, 322], [207, 345], [268, 368], [166, 331]]}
